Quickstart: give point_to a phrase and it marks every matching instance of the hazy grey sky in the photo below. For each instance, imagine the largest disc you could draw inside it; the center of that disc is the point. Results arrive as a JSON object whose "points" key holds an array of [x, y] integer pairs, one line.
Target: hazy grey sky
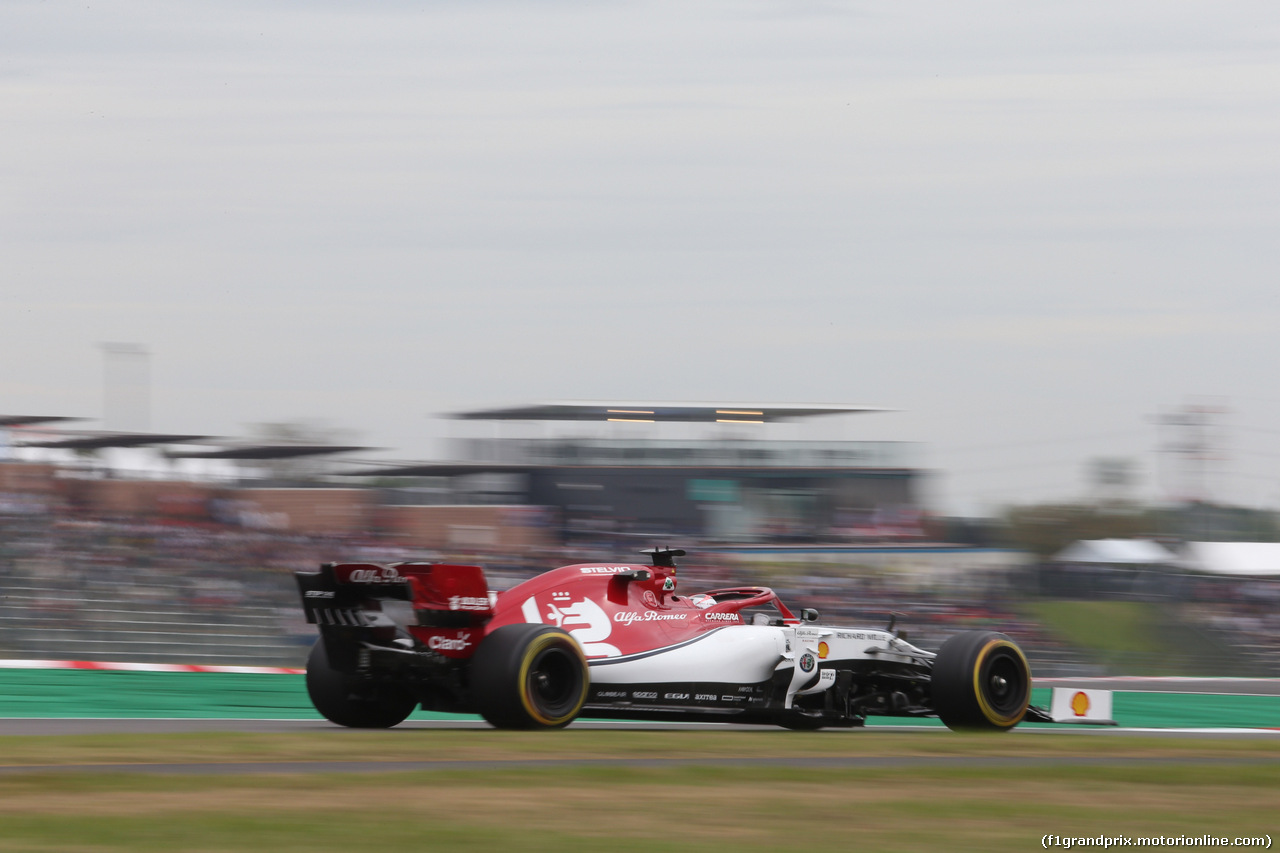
{"points": [[1028, 227]]}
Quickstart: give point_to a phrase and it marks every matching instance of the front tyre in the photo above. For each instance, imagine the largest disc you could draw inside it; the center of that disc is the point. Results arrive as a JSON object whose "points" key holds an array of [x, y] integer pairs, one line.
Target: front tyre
{"points": [[347, 700], [528, 676], [981, 680]]}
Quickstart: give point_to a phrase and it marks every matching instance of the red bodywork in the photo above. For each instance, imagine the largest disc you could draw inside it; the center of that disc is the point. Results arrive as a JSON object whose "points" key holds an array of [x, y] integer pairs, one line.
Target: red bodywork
{"points": [[611, 610]]}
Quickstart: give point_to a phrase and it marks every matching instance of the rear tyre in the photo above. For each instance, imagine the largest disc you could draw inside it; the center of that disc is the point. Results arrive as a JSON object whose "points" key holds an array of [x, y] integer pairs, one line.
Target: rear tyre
{"points": [[529, 677], [344, 699], [981, 680]]}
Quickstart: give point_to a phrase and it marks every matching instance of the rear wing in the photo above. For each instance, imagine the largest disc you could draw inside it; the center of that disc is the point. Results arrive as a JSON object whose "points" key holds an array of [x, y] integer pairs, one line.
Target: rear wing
{"points": [[347, 594]]}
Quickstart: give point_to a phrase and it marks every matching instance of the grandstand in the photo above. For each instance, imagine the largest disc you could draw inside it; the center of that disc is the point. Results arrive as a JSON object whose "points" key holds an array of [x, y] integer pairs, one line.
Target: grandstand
{"points": [[96, 564]]}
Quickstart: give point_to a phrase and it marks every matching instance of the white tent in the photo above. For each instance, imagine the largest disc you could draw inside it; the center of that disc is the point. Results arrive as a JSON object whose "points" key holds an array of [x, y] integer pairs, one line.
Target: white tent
{"points": [[1233, 559], [1121, 552]]}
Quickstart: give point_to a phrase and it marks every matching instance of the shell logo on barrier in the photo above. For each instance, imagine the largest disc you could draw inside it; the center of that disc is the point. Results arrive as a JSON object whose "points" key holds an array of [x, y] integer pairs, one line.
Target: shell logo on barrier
{"points": [[823, 650], [1081, 705]]}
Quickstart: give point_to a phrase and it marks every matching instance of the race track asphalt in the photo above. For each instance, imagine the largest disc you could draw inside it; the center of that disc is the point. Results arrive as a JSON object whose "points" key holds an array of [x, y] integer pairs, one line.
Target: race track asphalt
{"points": [[81, 726], [89, 726]]}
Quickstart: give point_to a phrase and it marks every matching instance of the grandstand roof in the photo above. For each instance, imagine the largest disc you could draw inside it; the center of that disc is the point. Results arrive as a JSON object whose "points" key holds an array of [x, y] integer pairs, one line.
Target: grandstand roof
{"points": [[32, 420], [268, 451], [455, 469], [648, 412], [442, 469], [99, 440]]}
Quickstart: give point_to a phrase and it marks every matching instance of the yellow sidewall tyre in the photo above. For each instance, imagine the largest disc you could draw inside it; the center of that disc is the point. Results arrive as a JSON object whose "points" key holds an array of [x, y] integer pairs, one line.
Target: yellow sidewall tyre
{"points": [[529, 677], [981, 680]]}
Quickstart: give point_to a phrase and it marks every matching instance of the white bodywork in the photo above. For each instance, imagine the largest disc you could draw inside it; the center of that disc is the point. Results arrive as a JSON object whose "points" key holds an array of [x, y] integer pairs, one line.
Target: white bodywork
{"points": [[750, 654]]}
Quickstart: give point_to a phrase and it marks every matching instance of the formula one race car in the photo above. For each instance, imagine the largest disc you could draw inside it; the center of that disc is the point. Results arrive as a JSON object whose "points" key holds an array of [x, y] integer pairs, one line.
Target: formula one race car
{"points": [[617, 641]]}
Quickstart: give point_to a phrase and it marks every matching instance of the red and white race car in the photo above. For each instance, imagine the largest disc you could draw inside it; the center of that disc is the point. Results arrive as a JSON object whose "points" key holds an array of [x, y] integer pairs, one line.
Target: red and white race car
{"points": [[618, 641]]}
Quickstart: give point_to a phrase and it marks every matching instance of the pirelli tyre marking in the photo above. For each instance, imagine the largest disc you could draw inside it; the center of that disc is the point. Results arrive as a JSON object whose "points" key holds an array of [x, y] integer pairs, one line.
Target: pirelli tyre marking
{"points": [[980, 680], [529, 676], [1002, 682], [548, 690]]}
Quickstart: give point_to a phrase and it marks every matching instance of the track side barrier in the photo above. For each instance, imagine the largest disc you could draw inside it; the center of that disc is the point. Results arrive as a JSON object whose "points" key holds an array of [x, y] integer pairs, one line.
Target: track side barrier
{"points": [[92, 689]]}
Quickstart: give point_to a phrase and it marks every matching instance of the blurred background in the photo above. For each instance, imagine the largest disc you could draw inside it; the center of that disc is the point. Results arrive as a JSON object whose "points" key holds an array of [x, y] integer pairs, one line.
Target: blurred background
{"points": [[147, 547]]}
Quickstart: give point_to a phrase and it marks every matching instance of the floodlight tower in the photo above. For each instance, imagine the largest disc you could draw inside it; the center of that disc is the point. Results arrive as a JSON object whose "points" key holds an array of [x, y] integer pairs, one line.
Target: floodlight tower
{"points": [[1195, 448]]}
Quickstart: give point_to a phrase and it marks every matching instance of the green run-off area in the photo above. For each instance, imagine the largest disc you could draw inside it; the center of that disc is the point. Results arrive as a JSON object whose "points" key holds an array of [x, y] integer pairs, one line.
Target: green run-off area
{"points": [[89, 693]]}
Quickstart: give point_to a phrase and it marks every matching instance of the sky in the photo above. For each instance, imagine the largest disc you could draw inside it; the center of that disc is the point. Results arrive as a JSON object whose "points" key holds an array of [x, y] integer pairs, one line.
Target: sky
{"points": [[1030, 230]]}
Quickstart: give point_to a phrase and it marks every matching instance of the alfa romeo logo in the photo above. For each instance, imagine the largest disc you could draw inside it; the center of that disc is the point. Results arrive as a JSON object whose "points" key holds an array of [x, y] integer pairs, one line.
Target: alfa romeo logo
{"points": [[807, 662]]}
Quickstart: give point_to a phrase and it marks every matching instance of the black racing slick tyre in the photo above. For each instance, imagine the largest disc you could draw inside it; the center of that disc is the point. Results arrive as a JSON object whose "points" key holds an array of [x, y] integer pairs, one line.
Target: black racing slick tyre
{"points": [[349, 701], [981, 680], [529, 676]]}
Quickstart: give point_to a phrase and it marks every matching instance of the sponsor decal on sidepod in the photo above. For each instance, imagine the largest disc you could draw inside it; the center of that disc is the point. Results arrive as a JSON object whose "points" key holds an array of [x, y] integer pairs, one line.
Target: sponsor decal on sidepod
{"points": [[626, 617]]}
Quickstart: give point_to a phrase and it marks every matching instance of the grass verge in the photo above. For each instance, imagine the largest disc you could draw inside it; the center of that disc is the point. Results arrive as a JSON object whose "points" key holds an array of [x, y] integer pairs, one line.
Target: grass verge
{"points": [[685, 809], [409, 744], [1198, 787]]}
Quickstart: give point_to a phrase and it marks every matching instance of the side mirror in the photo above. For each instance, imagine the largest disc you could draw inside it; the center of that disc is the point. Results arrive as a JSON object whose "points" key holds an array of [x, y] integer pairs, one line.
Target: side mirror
{"points": [[808, 615]]}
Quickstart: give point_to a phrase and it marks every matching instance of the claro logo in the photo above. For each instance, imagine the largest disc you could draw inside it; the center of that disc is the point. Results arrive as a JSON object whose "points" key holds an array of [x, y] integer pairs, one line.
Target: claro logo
{"points": [[450, 644]]}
